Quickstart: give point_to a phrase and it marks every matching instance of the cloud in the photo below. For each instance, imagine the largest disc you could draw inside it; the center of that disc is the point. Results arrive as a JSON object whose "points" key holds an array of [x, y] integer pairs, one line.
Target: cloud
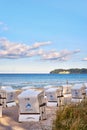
{"points": [[38, 44], [85, 59], [63, 55], [19, 50], [12, 50], [3, 26]]}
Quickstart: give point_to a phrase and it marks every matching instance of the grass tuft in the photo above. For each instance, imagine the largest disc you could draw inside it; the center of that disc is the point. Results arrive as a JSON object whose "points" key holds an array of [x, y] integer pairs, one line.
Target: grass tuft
{"points": [[71, 117]]}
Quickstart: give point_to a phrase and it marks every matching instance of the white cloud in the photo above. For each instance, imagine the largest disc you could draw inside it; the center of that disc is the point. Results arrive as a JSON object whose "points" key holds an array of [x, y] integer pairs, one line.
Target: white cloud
{"points": [[18, 50], [50, 55], [38, 44], [63, 55], [85, 59], [13, 50]]}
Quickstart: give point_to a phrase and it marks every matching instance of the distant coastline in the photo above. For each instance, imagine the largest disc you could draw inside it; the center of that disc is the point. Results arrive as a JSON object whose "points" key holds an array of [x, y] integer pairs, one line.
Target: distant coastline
{"points": [[69, 71]]}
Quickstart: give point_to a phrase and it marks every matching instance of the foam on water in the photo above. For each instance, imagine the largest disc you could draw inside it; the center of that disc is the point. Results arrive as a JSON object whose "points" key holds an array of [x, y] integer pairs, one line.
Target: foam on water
{"points": [[40, 80]]}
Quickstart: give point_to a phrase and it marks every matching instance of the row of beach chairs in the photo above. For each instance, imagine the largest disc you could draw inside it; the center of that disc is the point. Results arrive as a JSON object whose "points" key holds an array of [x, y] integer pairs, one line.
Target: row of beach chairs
{"points": [[33, 102]]}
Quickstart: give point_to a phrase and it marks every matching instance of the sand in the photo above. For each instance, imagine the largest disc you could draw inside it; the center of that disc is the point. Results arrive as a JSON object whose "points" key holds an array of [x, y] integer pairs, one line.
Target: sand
{"points": [[9, 120]]}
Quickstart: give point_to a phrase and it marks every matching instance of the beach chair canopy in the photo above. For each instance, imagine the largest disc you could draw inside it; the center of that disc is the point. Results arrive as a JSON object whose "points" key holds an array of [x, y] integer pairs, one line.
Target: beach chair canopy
{"points": [[67, 88], [85, 85], [77, 91], [9, 92], [53, 93], [7, 88], [30, 101]]}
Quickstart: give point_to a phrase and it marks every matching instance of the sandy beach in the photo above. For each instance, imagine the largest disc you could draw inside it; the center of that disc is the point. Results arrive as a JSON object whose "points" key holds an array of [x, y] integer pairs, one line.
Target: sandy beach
{"points": [[9, 120]]}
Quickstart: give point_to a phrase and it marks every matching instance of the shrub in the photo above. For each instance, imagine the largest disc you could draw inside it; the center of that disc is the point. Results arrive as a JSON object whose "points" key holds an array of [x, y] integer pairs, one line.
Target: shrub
{"points": [[71, 117]]}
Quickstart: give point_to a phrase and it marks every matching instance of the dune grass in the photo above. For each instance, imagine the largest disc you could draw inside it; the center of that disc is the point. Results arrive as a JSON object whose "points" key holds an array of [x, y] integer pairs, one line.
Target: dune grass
{"points": [[71, 117]]}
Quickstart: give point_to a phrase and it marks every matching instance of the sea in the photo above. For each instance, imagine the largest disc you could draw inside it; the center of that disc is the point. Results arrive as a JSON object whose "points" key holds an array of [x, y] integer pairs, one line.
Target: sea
{"points": [[18, 81]]}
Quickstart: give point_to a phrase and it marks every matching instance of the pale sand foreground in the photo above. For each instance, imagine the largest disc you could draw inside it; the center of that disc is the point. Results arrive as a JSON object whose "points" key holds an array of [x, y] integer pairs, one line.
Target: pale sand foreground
{"points": [[9, 121]]}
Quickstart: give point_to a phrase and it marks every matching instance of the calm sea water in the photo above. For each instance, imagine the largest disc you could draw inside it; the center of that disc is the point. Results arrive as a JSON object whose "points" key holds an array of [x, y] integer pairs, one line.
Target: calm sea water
{"points": [[40, 80]]}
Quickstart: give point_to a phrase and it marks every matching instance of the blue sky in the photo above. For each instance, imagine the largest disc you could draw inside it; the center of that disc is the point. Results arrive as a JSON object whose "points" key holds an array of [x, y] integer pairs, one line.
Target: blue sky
{"points": [[37, 36]]}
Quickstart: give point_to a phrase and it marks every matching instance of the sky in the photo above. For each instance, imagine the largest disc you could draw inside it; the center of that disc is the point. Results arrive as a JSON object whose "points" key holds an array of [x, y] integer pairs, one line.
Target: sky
{"points": [[38, 36]]}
